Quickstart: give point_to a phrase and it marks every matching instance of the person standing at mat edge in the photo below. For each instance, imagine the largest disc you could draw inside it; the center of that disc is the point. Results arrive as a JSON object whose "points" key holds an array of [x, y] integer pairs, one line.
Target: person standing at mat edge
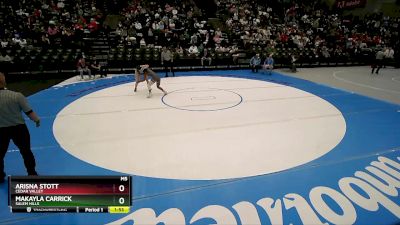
{"points": [[167, 60], [12, 126], [378, 61]]}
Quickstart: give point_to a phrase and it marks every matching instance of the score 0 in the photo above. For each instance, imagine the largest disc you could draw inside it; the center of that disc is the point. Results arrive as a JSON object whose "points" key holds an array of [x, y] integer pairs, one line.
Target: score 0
{"points": [[122, 188]]}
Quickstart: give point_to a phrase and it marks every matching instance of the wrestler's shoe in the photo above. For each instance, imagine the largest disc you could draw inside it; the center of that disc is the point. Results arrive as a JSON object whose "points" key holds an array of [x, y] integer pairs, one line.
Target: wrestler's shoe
{"points": [[149, 86]]}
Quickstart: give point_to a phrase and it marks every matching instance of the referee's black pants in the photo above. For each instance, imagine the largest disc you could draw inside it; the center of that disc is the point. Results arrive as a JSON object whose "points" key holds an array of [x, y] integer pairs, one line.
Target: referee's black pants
{"points": [[19, 134], [169, 65]]}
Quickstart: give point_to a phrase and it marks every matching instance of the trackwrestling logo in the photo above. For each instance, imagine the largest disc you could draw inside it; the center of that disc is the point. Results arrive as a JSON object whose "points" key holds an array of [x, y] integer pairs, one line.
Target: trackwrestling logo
{"points": [[369, 190]]}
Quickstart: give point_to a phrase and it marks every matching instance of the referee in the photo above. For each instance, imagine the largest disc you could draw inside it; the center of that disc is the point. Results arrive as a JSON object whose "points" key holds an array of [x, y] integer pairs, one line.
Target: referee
{"points": [[12, 126], [167, 60]]}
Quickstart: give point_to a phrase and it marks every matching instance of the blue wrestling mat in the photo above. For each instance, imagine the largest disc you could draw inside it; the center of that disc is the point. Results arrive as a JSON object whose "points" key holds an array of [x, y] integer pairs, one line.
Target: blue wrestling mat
{"points": [[357, 182]]}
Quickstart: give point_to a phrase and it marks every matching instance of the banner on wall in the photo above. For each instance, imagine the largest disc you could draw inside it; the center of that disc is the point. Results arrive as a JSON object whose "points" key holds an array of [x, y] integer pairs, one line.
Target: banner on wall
{"points": [[350, 4]]}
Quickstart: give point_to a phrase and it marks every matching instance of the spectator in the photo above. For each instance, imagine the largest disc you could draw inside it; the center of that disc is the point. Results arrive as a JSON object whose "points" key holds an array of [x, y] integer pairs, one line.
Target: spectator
{"points": [[19, 41], [293, 60], [206, 57], [255, 62], [60, 5], [5, 61], [93, 26], [179, 50], [45, 41], [12, 127], [193, 39], [234, 51], [193, 50], [5, 58], [389, 56], [325, 52], [4, 43], [142, 43], [217, 39], [52, 30], [96, 67], [269, 64], [218, 32], [378, 61], [82, 67], [150, 37]]}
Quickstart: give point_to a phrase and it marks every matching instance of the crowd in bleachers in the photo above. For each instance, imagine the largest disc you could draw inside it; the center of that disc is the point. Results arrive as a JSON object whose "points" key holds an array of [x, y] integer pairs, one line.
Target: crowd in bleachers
{"points": [[179, 25], [157, 23], [305, 30], [31, 27], [46, 22]]}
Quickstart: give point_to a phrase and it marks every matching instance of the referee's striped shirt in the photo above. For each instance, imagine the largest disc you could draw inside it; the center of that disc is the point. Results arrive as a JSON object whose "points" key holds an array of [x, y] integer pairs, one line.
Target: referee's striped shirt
{"points": [[11, 105]]}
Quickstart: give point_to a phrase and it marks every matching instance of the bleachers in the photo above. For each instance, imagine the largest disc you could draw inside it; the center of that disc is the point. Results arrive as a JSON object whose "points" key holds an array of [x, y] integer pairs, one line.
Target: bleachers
{"points": [[120, 52], [64, 60]]}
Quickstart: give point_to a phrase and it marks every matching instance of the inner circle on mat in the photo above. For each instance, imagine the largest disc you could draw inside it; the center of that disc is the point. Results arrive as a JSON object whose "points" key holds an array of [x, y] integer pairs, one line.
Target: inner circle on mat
{"points": [[202, 99], [274, 128]]}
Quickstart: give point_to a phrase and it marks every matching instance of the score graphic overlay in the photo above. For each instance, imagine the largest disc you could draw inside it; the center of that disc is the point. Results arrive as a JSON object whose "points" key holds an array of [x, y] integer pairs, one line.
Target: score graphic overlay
{"points": [[83, 194]]}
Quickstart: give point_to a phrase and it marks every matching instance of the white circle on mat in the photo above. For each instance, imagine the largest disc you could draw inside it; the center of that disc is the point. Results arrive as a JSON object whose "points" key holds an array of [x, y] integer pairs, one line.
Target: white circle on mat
{"points": [[274, 128], [202, 99]]}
